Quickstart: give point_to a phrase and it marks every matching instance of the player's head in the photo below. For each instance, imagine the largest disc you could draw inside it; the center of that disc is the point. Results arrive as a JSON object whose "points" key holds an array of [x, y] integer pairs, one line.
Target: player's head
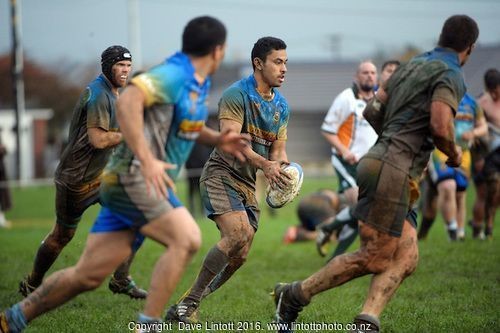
{"points": [[366, 75], [387, 69], [205, 35], [459, 33], [116, 64], [492, 83], [269, 58]]}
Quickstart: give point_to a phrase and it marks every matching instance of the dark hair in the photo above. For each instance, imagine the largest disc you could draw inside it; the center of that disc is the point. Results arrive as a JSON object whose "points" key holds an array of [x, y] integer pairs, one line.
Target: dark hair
{"points": [[491, 79], [390, 62], [264, 46], [459, 32], [202, 34]]}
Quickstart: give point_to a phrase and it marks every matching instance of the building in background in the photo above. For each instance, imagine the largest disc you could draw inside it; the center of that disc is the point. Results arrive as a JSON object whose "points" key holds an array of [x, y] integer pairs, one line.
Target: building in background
{"points": [[33, 145]]}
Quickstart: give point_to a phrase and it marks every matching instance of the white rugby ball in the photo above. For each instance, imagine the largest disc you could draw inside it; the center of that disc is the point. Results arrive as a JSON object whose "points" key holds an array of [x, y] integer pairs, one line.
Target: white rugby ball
{"points": [[277, 198]]}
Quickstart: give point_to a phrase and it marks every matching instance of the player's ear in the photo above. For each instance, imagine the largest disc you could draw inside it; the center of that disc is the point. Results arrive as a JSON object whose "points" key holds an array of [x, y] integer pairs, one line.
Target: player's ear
{"points": [[258, 63]]}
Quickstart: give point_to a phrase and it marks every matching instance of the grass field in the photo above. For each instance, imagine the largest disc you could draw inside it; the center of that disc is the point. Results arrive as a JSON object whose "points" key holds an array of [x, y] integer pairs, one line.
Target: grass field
{"points": [[456, 287]]}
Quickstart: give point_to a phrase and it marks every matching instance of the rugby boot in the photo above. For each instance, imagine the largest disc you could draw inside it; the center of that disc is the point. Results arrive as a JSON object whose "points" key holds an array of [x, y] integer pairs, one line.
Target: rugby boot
{"points": [[25, 288], [287, 306], [364, 323], [127, 287], [184, 311]]}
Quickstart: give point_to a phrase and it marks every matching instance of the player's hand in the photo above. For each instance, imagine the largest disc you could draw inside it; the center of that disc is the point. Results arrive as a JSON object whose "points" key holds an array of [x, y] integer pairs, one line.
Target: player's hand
{"points": [[350, 158], [234, 143], [156, 179], [275, 175], [456, 160]]}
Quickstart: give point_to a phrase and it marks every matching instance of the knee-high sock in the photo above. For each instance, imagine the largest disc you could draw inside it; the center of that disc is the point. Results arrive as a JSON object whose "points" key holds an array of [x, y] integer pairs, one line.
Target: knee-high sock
{"points": [[214, 263], [223, 276]]}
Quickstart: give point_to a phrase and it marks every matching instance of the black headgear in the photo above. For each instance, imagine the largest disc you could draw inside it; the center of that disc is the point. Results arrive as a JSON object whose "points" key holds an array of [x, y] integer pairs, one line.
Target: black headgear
{"points": [[111, 56]]}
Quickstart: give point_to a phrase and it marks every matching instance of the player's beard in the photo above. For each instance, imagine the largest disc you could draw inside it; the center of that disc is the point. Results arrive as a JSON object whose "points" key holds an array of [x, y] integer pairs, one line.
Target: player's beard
{"points": [[366, 87]]}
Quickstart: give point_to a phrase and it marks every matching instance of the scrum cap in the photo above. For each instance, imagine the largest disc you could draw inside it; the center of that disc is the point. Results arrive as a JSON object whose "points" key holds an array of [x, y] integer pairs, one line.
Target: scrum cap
{"points": [[111, 56]]}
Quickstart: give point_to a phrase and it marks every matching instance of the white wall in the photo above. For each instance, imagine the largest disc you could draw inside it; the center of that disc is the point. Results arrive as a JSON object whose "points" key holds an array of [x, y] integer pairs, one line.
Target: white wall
{"points": [[7, 122]]}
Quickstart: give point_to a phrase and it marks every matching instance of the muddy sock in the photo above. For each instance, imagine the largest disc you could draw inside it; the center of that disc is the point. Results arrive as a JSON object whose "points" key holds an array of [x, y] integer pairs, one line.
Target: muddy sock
{"points": [[214, 262]]}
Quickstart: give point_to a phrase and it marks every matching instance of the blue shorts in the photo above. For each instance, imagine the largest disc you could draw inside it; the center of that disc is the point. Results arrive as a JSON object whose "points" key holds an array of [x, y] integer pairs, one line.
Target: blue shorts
{"points": [[442, 174], [110, 220]]}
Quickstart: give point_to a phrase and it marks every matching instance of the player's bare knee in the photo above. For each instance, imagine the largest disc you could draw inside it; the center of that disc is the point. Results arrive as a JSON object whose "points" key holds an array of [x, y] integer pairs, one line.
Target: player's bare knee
{"points": [[447, 187], [238, 239], [411, 264], [89, 281], [235, 244], [376, 261], [194, 244], [59, 237], [191, 242]]}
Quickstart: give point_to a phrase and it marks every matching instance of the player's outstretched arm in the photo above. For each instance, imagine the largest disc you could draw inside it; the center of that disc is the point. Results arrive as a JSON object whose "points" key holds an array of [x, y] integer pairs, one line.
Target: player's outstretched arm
{"points": [[130, 116]]}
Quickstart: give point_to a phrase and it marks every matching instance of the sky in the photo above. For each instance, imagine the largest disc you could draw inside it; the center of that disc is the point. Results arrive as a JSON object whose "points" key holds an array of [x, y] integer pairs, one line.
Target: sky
{"points": [[76, 32]]}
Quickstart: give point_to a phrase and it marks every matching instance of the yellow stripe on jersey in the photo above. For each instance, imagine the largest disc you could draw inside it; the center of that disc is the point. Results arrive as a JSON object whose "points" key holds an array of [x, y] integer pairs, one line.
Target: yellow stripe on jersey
{"points": [[268, 136]]}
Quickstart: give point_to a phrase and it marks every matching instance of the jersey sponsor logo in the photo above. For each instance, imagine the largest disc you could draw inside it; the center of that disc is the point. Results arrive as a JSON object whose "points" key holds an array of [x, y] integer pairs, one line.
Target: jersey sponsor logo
{"points": [[264, 135], [189, 129], [261, 141]]}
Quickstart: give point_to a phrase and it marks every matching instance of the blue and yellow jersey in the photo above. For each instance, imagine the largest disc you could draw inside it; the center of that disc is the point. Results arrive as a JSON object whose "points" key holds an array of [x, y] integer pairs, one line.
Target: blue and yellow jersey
{"points": [[80, 162], [265, 120], [174, 114], [468, 113]]}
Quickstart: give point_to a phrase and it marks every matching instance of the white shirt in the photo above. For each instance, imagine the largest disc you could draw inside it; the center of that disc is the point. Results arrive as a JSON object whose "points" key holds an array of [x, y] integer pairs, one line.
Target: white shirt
{"points": [[345, 119]]}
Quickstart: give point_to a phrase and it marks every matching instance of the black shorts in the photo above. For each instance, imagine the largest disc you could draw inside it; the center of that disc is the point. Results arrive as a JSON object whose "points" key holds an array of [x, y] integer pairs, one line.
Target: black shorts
{"points": [[73, 201], [384, 196]]}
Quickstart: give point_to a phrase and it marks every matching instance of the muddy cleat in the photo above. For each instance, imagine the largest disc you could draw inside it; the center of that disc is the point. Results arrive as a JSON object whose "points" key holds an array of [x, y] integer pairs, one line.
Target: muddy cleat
{"points": [[186, 312], [25, 288], [322, 240], [287, 306], [364, 323], [128, 287], [4, 325]]}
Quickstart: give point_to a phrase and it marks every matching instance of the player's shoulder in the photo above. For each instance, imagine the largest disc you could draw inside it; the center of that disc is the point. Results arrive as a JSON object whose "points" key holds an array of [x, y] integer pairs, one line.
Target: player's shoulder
{"points": [[97, 91], [166, 71], [235, 91], [346, 95]]}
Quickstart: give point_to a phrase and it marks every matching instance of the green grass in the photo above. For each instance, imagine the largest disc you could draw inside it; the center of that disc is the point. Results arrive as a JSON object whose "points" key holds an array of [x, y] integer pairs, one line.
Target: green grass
{"points": [[455, 287]]}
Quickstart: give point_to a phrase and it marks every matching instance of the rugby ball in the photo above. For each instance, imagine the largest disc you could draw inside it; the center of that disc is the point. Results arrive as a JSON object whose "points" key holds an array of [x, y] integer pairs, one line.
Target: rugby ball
{"points": [[277, 198]]}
